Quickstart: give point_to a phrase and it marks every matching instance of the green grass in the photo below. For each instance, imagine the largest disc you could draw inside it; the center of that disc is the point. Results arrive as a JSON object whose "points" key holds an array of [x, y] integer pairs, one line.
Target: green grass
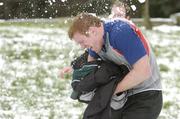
{"points": [[167, 104], [164, 68], [40, 87], [44, 23], [30, 77]]}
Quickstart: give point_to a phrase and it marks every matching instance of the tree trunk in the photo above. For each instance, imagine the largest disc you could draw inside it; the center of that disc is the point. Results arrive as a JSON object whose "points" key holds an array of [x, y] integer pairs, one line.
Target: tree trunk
{"points": [[147, 22], [6, 10]]}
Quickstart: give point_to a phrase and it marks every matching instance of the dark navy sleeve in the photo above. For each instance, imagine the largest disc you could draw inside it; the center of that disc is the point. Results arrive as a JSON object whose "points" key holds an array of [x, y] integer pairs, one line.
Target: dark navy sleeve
{"points": [[93, 54], [128, 43]]}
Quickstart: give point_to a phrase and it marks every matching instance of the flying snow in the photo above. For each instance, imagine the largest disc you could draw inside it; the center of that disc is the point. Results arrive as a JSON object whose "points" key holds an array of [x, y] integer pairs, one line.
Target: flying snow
{"points": [[133, 7], [1, 3], [141, 1]]}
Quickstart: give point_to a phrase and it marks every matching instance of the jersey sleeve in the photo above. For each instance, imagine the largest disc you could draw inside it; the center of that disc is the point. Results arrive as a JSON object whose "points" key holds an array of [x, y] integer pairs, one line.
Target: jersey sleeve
{"points": [[128, 43]]}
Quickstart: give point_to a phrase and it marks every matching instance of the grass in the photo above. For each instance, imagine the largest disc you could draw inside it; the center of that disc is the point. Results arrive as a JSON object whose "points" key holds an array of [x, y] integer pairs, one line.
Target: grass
{"points": [[163, 68], [30, 75], [32, 54], [39, 23]]}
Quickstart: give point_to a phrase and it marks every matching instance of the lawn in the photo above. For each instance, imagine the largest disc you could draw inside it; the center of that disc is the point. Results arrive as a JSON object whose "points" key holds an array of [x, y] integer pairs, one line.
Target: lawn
{"points": [[32, 53]]}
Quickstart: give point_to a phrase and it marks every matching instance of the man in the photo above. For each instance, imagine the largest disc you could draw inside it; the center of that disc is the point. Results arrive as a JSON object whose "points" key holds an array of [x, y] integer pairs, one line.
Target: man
{"points": [[120, 10], [118, 41]]}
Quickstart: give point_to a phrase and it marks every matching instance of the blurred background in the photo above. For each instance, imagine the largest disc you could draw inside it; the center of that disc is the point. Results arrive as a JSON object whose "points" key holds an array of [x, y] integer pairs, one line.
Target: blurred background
{"points": [[34, 46], [12, 9], [49, 9]]}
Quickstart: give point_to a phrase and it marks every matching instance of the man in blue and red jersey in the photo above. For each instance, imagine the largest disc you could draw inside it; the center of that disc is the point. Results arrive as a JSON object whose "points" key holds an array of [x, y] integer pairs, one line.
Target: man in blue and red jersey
{"points": [[119, 10], [121, 42]]}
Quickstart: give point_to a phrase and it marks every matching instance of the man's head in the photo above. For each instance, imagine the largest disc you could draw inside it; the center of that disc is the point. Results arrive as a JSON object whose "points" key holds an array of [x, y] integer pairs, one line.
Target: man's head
{"points": [[87, 30], [120, 9]]}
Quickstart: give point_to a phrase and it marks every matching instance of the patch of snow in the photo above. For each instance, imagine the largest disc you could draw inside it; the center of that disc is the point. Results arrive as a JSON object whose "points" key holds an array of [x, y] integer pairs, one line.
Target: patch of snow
{"points": [[37, 97], [167, 28]]}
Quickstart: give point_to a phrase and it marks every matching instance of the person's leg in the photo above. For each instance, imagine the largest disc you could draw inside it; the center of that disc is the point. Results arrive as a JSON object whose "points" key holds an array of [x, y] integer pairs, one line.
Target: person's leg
{"points": [[145, 105]]}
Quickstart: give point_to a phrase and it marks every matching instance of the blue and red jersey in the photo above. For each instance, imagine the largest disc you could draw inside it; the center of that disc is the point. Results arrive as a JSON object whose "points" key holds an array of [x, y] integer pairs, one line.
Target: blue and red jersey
{"points": [[126, 39]]}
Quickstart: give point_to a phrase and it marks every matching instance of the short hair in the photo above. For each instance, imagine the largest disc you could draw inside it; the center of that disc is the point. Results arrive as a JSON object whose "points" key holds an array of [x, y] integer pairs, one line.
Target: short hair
{"points": [[82, 22]]}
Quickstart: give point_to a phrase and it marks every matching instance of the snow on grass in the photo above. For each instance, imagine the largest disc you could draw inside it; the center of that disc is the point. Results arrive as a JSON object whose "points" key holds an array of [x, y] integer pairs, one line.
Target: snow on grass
{"points": [[30, 59], [30, 62], [165, 42], [167, 29]]}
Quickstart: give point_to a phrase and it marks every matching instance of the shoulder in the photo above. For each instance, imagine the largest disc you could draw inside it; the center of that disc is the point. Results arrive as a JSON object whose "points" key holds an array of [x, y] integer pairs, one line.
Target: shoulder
{"points": [[115, 22], [117, 27], [120, 30]]}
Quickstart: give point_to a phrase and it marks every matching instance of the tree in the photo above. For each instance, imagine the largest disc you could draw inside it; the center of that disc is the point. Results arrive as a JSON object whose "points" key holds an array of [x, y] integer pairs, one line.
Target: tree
{"points": [[147, 22], [6, 10]]}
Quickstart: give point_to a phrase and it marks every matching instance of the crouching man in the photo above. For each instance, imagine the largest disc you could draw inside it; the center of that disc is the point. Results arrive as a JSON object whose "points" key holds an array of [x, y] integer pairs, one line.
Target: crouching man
{"points": [[121, 42]]}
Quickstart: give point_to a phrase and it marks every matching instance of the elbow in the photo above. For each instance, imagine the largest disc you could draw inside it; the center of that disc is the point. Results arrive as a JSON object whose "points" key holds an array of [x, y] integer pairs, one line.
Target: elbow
{"points": [[143, 68], [147, 73]]}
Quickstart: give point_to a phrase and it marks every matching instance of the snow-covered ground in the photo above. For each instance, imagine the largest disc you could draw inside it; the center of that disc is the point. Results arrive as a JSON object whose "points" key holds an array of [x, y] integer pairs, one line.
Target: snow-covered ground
{"points": [[30, 59]]}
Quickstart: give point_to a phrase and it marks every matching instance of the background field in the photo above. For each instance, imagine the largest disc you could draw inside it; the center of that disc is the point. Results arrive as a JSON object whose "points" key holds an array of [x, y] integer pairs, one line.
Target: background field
{"points": [[31, 55]]}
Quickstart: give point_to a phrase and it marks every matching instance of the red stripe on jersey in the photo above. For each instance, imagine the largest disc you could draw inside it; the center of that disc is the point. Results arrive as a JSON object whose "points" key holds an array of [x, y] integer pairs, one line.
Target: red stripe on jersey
{"points": [[141, 36]]}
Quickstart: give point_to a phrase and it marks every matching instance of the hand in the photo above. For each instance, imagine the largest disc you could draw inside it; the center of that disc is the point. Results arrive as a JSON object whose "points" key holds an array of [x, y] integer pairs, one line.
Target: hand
{"points": [[117, 91], [65, 70]]}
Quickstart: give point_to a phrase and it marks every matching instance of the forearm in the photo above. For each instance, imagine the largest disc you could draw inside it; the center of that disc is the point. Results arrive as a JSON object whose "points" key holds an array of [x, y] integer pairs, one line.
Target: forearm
{"points": [[140, 72]]}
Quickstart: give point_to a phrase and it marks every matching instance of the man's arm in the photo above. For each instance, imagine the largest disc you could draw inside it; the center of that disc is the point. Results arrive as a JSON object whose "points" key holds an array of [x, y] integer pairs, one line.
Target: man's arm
{"points": [[140, 72]]}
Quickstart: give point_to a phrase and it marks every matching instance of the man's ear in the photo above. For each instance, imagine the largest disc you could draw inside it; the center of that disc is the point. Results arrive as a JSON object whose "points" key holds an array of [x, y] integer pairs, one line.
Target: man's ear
{"points": [[93, 29]]}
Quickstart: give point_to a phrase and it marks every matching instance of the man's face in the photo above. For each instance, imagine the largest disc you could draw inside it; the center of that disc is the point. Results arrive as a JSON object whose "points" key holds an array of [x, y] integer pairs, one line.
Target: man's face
{"points": [[118, 11], [89, 41]]}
